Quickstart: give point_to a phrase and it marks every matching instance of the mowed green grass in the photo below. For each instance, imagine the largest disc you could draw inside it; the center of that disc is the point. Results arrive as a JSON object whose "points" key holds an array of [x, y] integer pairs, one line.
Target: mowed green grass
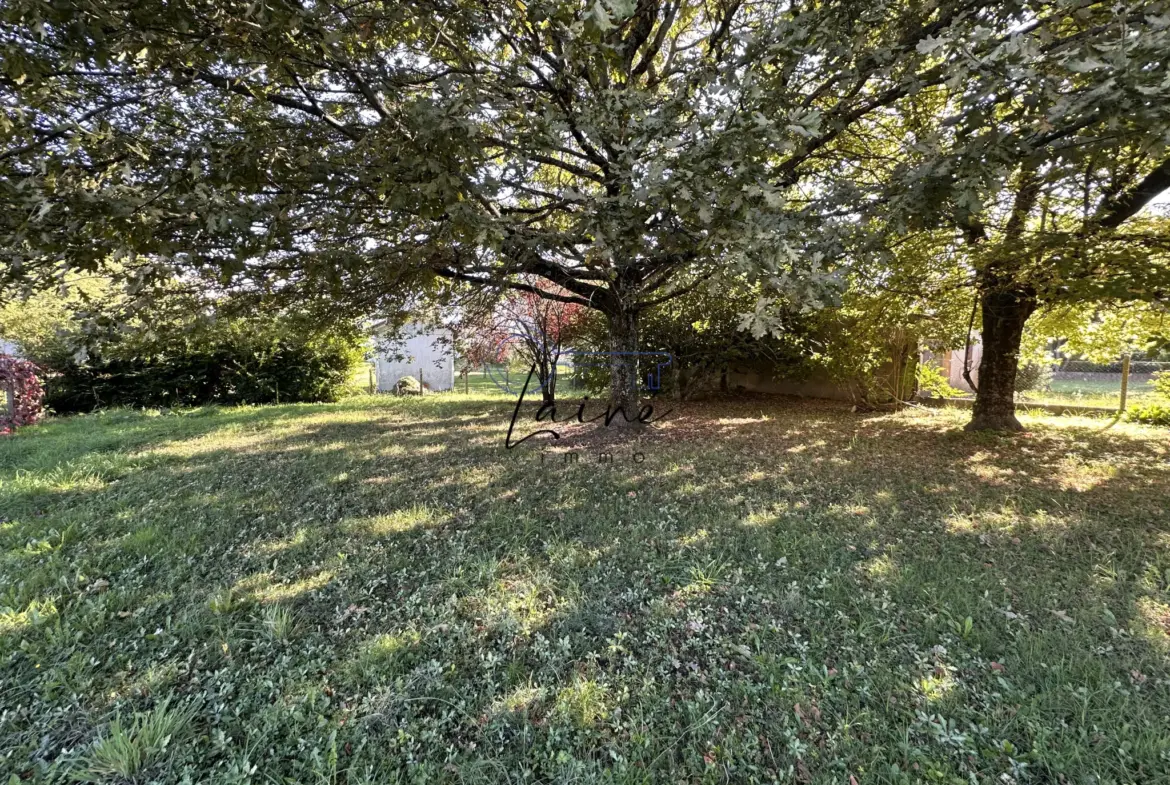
{"points": [[758, 591], [1090, 392]]}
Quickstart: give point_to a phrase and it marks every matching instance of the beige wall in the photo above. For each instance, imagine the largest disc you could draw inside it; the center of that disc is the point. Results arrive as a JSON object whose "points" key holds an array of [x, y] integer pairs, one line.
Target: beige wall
{"points": [[951, 363]]}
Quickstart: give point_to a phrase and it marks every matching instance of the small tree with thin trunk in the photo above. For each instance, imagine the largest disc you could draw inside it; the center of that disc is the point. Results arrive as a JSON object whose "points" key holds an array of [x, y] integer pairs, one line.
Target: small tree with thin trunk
{"points": [[542, 327]]}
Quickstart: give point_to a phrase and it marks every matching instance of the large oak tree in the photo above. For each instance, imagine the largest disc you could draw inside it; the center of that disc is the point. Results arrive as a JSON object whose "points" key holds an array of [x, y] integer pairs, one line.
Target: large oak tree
{"points": [[623, 151]]}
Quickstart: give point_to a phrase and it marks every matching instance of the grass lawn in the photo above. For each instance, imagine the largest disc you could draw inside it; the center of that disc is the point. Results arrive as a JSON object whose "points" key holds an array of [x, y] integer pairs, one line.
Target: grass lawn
{"points": [[1091, 392], [377, 591], [493, 383]]}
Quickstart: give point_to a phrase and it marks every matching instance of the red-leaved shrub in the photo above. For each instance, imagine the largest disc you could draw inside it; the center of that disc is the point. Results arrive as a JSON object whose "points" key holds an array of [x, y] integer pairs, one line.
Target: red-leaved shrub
{"points": [[19, 378]]}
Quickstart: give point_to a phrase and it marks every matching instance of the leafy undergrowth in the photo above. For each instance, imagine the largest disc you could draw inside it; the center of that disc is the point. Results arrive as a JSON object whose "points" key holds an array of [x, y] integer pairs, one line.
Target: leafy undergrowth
{"points": [[378, 591]]}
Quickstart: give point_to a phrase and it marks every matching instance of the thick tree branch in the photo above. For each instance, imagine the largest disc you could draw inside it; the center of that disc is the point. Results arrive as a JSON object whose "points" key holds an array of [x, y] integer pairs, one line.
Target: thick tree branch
{"points": [[456, 275], [240, 87], [64, 128], [1114, 212]]}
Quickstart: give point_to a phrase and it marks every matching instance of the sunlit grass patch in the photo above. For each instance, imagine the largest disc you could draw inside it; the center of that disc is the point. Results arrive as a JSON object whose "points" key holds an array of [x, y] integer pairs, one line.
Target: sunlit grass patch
{"points": [[523, 604], [520, 700], [1076, 474], [269, 588], [36, 614], [386, 656], [880, 568], [584, 702], [397, 521]]}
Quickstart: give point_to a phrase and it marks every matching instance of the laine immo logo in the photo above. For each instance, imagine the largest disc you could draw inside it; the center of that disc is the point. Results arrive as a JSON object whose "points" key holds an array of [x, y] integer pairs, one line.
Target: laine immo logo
{"points": [[655, 362]]}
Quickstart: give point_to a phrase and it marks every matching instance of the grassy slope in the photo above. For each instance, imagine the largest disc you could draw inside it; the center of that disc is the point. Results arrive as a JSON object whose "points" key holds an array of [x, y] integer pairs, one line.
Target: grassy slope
{"points": [[377, 591]]}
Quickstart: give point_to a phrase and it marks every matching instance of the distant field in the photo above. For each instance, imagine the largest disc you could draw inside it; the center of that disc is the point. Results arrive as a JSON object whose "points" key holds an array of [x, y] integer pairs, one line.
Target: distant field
{"points": [[493, 383], [1085, 390]]}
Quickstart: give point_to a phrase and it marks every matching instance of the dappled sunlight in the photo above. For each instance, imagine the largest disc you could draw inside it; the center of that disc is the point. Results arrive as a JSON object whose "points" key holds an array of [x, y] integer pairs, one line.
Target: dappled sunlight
{"points": [[584, 702], [1154, 622], [832, 460], [397, 522], [434, 583], [731, 423], [981, 465], [231, 438], [38, 613], [575, 555], [938, 685], [759, 518], [1006, 522], [268, 587], [268, 548], [881, 568], [380, 652], [699, 537], [1048, 526], [522, 604], [1074, 474], [428, 449], [521, 700], [476, 477], [396, 451], [961, 524], [151, 682]]}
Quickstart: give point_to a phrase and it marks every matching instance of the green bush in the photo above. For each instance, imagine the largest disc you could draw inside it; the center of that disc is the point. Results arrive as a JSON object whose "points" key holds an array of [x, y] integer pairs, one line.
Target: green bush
{"points": [[934, 383], [701, 333], [257, 359], [1152, 413], [1162, 384]]}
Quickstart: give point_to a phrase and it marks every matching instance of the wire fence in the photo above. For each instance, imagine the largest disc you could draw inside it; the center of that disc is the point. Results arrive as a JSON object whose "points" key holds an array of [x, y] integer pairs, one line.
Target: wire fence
{"points": [[510, 379], [1086, 383]]}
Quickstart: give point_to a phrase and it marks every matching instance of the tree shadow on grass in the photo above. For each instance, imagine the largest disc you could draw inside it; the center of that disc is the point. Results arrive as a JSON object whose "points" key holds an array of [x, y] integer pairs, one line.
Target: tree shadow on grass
{"points": [[429, 568]]}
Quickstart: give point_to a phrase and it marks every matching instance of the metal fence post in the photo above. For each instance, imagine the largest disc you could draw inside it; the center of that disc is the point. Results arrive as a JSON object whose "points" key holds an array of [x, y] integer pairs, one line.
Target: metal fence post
{"points": [[1124, 383]]}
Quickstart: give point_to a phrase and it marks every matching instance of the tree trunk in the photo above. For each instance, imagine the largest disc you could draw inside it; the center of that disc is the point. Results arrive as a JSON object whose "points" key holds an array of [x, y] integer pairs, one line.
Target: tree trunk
{"points": [[623, 363], [545, 374], [549, 390], [1005, 311]]}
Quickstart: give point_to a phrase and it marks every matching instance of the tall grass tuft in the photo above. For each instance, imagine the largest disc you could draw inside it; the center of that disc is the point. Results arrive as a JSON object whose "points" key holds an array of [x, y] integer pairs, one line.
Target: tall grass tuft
{"points": [[125, 752]]}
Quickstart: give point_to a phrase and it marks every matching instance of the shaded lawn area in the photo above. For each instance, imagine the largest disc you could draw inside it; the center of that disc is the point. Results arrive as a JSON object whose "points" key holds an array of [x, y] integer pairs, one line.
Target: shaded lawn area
{"points": [[377, 591]]}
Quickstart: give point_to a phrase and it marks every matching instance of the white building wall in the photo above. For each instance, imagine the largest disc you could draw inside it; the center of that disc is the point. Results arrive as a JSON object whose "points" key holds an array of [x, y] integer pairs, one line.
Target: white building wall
{"points": [[958, 356], [419, 353]]}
